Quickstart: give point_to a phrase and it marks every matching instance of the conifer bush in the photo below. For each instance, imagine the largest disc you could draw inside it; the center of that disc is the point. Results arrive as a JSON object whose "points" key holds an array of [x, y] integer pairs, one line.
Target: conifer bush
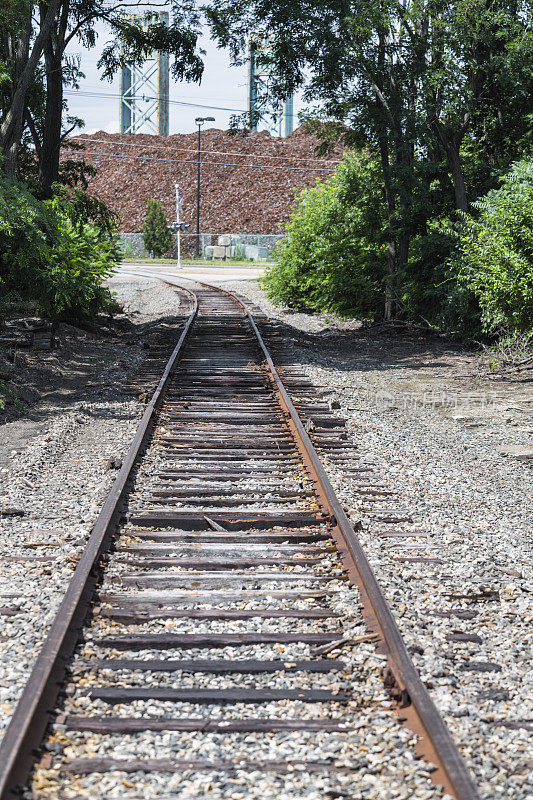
{"points": [[156, 236]]}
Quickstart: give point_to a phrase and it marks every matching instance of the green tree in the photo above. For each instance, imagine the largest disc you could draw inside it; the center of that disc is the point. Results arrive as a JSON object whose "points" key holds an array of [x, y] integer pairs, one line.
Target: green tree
{"points": [[156, 236], [132, 39], [334, 256], [417, 81], [22, 44], [494, 260], [475, 78], [36, 34]]}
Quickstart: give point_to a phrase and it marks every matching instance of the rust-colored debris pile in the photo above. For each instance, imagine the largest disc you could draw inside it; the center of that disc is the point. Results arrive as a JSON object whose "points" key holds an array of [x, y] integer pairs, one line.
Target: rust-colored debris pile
{"points": [[247, 182]]}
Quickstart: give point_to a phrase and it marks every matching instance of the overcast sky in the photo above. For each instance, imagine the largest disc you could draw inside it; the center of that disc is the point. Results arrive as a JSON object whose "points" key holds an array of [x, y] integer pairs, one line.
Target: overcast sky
{"points": [[222, 86]]}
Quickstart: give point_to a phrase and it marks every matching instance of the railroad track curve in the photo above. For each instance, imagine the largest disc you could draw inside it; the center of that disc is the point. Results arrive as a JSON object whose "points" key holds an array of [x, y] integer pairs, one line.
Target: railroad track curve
{"points": [[223, 537]]}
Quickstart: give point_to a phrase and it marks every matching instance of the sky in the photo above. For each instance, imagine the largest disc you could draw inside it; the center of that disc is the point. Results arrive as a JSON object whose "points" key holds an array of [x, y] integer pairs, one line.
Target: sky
{"points": [[223, 86]]}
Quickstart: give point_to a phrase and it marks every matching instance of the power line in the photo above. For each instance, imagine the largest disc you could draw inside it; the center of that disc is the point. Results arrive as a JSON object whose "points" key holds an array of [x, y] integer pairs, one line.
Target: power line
{"points": [[99, 90], [90, 140], [111, 96], [204, 163]]}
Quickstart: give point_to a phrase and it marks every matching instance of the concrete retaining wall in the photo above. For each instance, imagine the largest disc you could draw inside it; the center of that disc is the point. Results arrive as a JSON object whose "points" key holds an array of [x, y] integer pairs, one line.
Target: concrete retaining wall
{"points": [[235, 245]]}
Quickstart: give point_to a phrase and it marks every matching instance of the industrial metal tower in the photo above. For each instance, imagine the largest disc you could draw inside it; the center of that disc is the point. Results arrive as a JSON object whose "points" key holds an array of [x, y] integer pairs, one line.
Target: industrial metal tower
{"points": [[144, 88], [260, 76]]}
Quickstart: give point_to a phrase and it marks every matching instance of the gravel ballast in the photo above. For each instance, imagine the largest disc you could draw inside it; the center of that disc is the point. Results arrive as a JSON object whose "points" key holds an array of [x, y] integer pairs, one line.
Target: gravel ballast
{"points": [[440, 436], [467, 505], [59, 461]]}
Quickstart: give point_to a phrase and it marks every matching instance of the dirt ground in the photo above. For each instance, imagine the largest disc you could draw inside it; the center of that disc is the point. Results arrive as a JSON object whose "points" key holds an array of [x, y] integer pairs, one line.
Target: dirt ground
{"points": [[89, 362]]}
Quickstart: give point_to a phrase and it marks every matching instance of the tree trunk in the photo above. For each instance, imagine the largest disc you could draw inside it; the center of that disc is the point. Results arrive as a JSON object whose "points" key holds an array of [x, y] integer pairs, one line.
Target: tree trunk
{"points": [[13, 124], [388, 311], [451, 147], [404, 242], [26, 63], [456, 172], [49, 158], [34, 134]]}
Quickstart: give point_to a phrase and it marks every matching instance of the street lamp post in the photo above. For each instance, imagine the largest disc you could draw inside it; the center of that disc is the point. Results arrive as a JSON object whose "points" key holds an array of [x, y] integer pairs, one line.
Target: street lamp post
{"points": [[199, 121]]}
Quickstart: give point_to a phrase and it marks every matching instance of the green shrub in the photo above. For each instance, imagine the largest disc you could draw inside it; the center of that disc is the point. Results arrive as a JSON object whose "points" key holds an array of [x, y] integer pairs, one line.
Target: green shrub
{"points": [[156, 236], [430, 289], [79, 262], [333, 257], [127, 251], [56, 253], [494, 259]]}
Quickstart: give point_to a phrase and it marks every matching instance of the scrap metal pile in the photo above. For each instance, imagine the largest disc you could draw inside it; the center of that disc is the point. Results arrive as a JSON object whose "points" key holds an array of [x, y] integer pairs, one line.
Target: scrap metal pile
{"points": [[248, 182]]}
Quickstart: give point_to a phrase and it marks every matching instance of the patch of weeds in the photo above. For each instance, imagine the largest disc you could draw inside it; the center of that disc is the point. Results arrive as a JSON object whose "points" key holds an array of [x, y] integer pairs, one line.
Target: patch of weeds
{"points": [[8, 395], [511, 351], [5, 393]]}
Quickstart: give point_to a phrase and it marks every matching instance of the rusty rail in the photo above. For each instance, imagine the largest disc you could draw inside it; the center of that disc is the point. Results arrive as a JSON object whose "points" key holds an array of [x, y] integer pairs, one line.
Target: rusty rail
{"points": [[415, 706], [413, 700], [403, 681], [31, 717]]}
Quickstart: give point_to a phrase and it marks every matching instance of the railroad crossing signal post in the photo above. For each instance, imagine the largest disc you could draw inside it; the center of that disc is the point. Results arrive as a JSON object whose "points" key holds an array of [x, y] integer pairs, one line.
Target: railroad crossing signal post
{"points": [[179, 204], [178, 226], [199, 121]]}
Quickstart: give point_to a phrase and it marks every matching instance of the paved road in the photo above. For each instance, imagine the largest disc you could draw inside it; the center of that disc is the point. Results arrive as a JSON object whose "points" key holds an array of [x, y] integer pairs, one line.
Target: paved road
{"points": [[200, 272]]}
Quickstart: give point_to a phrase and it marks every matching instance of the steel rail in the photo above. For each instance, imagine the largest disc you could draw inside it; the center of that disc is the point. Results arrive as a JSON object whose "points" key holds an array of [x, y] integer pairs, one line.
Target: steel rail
{"points": [[402, 679], [32, 714], [27, 726]]}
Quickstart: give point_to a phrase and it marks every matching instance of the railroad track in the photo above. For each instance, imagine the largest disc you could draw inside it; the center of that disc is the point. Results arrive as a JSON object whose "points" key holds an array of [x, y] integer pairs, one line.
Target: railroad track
{"points": [[223, 595]]}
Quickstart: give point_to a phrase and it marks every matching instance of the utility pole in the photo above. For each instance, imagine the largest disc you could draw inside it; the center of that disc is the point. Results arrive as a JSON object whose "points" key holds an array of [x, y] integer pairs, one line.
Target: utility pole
{"points": [[199, 121]]}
